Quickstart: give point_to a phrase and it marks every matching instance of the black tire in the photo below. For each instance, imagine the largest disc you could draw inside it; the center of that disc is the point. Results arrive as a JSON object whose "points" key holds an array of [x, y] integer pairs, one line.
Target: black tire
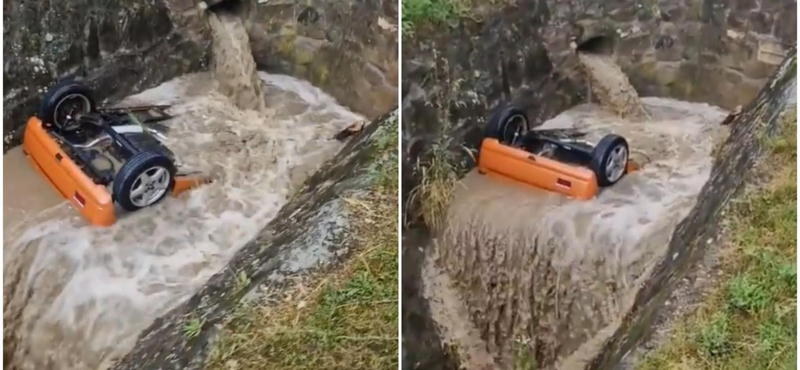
{"points": [[602, 154], [58, 93], [499, 125], [129, 173]]}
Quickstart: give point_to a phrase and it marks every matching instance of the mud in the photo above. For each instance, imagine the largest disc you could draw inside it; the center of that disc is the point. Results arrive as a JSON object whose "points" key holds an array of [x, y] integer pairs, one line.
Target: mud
{"points": [[77, 296], [610, 87], [555, 276], [234, 67]]}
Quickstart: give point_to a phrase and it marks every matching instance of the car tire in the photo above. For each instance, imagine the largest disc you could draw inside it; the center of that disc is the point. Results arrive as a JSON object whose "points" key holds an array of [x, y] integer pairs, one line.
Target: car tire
{"points": [[133, 191], [610, 159], [500, 126], [65, 91]]}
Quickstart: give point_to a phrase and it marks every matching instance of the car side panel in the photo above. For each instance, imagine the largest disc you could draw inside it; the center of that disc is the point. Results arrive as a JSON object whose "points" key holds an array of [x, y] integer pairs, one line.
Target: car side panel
{"points": [[541, 172], [66, 176]]}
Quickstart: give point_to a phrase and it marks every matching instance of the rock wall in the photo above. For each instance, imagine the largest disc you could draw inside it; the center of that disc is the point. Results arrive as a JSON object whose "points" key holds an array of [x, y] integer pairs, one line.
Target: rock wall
{"points": [[715, 51], [347, 48], [311, 229], [118, 47]]}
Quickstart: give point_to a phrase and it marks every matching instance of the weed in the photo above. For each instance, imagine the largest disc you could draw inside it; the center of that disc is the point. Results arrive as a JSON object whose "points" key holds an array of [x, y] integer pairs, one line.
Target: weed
{"points": [[435, 191], [242, 281], [523, 355], [438, 175], [384, 172], [714, 337], [747, 295], [192, 328], [416, 12]]}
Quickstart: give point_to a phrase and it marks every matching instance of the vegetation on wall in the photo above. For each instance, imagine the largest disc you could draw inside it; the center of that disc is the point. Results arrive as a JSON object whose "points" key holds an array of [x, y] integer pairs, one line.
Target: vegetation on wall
{"points": [[417, 12]]}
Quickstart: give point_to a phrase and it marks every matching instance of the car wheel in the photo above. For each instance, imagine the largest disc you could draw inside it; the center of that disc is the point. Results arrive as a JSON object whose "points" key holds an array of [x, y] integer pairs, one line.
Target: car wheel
{"points": [[508, 125], [144, 180], [63, 102], [610, 159]]}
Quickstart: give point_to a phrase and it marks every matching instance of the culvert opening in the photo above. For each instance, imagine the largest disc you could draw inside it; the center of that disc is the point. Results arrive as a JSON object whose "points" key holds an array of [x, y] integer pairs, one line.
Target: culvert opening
{"points": [[607, 84], [224, 6], [81, 295], [601, 45]]}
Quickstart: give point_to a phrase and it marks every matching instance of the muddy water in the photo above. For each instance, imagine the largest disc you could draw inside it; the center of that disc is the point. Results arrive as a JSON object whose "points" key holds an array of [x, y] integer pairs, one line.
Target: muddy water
{"points": [[234, 66], [76, 296], [610, 86], [548, 277]]}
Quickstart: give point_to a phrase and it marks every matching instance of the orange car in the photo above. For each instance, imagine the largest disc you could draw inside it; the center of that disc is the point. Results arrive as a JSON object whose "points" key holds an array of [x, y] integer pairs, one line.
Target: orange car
{"points": [[98, 158], [555, 160]]}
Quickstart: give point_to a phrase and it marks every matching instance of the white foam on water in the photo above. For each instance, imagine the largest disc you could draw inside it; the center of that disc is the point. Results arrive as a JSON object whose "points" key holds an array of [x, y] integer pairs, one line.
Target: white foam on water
{"points": [[89, 291]]}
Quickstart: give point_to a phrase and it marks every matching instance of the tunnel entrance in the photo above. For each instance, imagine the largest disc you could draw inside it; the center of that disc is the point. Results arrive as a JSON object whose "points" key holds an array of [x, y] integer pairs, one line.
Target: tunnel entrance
{"points": [[601, 45]]}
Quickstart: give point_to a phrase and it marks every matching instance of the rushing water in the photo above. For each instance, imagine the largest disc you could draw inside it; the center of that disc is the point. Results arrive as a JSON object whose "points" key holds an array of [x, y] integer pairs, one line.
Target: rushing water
{"points": [[76, 296], [610, 86], [234, 67], [538, 271]]}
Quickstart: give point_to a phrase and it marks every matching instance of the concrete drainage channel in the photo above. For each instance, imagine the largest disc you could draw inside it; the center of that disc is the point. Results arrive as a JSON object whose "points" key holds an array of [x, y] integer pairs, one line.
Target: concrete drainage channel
{"points": [[519, 275], [82, 294], [522, 278], [77, 297]]}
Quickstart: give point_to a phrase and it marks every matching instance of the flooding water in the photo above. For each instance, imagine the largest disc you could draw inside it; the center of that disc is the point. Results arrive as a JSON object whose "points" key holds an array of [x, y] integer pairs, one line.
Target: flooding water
{"points": [[76, 296], [543, 275], [234, 66], [610, 86]]}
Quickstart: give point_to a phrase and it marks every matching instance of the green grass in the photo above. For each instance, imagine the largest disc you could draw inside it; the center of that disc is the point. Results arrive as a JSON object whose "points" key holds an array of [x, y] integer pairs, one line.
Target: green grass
{"points": [[748, 321], [343, 318], [417, 12], [192, 328]]}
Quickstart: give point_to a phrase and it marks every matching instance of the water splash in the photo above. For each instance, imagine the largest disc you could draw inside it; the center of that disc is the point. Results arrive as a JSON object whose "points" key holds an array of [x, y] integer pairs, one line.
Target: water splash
{"points": [[77, 296], [234, 66], [556, 274], [610, 86]]}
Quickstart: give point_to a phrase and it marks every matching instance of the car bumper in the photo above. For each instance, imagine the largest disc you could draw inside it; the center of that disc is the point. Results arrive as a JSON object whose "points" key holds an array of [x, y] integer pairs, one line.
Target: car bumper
{"points": [[516, 164]]}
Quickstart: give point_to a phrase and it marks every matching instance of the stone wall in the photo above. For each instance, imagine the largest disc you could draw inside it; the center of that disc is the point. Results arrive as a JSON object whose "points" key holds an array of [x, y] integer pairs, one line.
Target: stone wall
{"points": [[118, 47], [347, 48], [715, 51]]}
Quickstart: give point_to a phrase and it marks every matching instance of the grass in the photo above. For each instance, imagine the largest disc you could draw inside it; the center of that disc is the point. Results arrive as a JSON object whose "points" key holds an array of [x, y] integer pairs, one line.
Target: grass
{"points": [[192, 328], [748, 321], [385, 171], [417, 12], [343, 318], [433, 194]]}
